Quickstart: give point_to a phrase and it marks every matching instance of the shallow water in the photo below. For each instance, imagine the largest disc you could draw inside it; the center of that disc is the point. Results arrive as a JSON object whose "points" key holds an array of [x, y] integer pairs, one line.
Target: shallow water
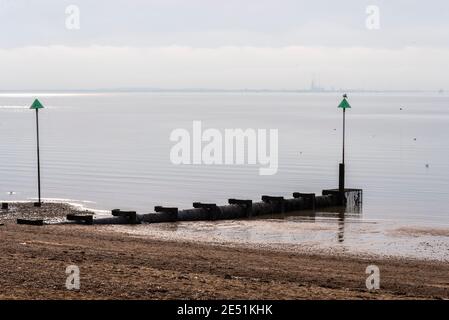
{"points": [[326, 233], [113, 149]]}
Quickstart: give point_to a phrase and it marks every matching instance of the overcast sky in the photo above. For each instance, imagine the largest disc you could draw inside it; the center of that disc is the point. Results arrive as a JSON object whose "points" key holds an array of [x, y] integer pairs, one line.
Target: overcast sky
{"points": [[232, 44]]}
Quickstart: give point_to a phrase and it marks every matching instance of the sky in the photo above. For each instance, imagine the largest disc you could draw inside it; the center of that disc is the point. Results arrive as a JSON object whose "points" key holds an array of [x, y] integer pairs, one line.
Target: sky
{"points": [[213, 44]]}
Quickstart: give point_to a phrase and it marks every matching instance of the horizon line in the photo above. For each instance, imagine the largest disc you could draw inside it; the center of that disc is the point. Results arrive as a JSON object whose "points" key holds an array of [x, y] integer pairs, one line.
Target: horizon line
{"points": [[218, 90]]}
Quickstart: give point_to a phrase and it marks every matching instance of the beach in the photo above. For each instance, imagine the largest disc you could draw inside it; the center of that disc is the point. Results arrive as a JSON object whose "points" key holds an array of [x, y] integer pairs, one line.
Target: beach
{"points": [[117, 265]]}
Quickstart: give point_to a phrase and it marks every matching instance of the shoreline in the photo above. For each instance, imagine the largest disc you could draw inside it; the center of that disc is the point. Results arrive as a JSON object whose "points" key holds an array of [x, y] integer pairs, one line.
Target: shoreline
{"points": [[55, 211], [275, 247], [115, 265]]}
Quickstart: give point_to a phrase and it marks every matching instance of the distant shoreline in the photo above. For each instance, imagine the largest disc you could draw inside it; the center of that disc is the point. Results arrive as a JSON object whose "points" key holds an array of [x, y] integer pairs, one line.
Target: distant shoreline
{"points": [[203, 90]]}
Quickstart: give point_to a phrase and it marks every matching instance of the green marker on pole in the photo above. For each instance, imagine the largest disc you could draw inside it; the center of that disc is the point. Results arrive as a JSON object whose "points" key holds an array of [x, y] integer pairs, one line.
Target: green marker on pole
{"points": [[36, 106], [341, 181]]}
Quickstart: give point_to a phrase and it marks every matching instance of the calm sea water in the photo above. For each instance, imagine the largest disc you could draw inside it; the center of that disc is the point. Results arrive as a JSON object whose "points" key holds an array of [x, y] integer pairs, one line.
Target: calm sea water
{"points": [[112, 150]]}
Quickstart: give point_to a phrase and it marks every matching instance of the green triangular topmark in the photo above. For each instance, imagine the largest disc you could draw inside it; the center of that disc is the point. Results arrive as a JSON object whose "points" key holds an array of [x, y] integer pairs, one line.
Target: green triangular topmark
{"points": [[344, 104], [37, 105]]}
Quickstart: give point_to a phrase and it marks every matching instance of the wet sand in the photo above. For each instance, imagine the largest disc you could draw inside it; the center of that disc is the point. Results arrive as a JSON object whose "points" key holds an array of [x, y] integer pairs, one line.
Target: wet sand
{"points": [[323, 235], [116, 265]]}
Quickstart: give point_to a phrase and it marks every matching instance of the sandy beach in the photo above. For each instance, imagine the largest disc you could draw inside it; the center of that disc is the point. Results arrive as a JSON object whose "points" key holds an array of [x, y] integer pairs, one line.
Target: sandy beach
{"points": [[116, 265]]}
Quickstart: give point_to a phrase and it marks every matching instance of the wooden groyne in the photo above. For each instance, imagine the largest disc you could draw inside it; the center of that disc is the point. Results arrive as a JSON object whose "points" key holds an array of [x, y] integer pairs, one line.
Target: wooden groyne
{"points": [[235, 209]]}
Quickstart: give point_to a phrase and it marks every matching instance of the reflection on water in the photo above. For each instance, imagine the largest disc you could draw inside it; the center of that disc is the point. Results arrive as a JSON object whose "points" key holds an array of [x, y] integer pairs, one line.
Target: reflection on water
{"points": [[321, 232], [338, 214], [341, 227], [329, 231]]}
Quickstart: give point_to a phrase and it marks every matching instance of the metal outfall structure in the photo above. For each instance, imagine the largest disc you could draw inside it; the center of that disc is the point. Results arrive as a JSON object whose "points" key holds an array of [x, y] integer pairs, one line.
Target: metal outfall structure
{"points": [[242, 208], [235, 209]]}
